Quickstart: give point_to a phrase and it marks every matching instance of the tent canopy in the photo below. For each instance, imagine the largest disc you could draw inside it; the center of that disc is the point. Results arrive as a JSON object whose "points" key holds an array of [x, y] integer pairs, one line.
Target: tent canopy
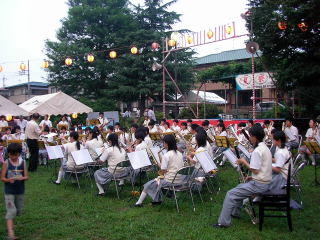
{"points": [[8, 107], [207, 97], [54, 104]]}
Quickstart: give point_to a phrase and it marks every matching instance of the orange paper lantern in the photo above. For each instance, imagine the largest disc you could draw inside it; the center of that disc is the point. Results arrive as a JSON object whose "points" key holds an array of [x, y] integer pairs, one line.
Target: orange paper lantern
{"points": [[171, 43], [22, 67], [189, 39], [134, 50], [45, 64], [113, 54], [68, 61], [210, 34], [90, 58], [74, 115], [303, 26]]}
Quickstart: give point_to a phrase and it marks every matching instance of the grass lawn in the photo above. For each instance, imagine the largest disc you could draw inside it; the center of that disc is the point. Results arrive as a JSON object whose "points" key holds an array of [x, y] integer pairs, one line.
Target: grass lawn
{"points": [[56, 212]]}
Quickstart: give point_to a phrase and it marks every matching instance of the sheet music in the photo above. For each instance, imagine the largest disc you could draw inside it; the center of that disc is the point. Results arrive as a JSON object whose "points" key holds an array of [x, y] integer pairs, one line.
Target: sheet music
{"points": [[99, 151], [81, 157], [155, 151], [244, 151], [232, 158], [206, 161], [54, 152], [139, 159]]}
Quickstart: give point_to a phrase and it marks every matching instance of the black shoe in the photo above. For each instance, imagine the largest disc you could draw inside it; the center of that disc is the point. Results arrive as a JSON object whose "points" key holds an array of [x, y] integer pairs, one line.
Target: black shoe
{"points": [[54, 182], [218, 225], [100, 194], [156, 203]]}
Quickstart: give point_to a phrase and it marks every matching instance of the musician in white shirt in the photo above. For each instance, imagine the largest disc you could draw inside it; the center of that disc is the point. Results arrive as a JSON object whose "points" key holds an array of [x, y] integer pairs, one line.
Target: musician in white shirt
{"points": [[280, 164], [175, 127], [184, 129], [292, 135], [261, 168], [3, 122], [22, 123], [113, 155], [17, 135], [46, 122], [189, 123], [222, 130], [146, 121], [102, 120], [152, 128], [311, 135], [171, 162], [64, 122], [167, 128], [92, 144], [7, 135], [117, 127]]}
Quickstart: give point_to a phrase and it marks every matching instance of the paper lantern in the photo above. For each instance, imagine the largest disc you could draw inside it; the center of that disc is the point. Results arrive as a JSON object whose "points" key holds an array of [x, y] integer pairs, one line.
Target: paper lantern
{"points": [[74, 115], [113, 54], [45, 64], [155, 46], [22, 67], [303, 26], [8, 117], [171, 43], [1, 68], [282, 25], [189, 40], [229, 29], [210, 34], [68, 61], [90, 58], [134, 50]]}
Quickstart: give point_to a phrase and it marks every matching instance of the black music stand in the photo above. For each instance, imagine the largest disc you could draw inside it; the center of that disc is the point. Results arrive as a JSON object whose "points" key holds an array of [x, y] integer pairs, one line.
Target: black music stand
{"points": [[314, 148]]}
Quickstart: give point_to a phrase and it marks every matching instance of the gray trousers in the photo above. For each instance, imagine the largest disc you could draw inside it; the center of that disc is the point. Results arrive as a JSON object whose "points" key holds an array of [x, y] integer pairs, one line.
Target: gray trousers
{"points": [[292, 145], [234, 198]]}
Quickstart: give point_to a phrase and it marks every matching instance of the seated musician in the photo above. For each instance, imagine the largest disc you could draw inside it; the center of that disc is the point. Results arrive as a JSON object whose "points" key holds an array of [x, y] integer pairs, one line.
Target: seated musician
{"points": [[261, 168], [175, 127], [146, 121], [110, 130], [189, 123], [184, 129], [123, 137], [167, 128], [273, 147], [17, 135], [117, 127], [92, 143], [133, 130], [311, 134], [43, 155], [250, 124], [64, 121], [63, 132], [3, 122], [193, 131], [147, 138], [280, 164], [152, 128], [161, 127], [291, 134], [7, 135], [171, 162], [68, 162], [209, 129], [222, 130], [113, 155], [139, 143]]}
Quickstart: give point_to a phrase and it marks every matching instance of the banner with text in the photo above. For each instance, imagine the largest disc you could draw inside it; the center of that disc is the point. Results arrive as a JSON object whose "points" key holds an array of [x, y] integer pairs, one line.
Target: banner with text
{"points": [[261, 80]]}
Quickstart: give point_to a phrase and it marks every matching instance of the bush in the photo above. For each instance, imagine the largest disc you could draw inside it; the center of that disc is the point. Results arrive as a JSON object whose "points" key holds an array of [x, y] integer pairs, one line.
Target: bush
{"points": [[212, 111]]}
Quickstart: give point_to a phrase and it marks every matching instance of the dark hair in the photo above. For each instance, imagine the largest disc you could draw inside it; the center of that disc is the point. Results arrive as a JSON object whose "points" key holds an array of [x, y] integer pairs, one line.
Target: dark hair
{"points": [[201, 139], [176, 121], [113, 138], [266, 122], [15, 128], [194, 126], [184, 124], [189, 120], [273, 131], [2, 116], [242, 124], [257, 132], [117, 123], [151, 123], [87, 129], [222, 126], [146, 130], [63, 128], [94, 133], [14, 148], [75, 136], [46, 129], [279, 135], [290, 119], [101, 113], [201, 130], [167, 123], [171, 142], [205, 123], [163, 120], [35, 116], [220, 121], [135, 126], [251, 121], [72, 129], [111, 128], [139, 135]]}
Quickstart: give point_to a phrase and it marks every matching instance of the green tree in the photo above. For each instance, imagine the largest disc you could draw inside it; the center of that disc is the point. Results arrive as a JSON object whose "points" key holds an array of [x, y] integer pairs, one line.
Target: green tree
{"points": [[292, 53]]}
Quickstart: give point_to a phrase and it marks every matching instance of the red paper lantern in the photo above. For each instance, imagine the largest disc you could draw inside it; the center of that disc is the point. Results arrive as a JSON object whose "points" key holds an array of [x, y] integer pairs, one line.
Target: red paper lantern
{"points": [[282, 25], [154, 46], [303, 26]]}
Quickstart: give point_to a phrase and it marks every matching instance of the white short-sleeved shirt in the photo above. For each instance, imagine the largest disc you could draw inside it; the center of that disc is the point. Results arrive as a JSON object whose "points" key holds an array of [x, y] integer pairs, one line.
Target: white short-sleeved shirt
{"points": [[46, 122], [3, 123], [92, 145], [172, 161], [282, 156], [292, 133], [312, 133], [261, 159], [223, 134], [113, 155], [141, 146], [148, 141]]}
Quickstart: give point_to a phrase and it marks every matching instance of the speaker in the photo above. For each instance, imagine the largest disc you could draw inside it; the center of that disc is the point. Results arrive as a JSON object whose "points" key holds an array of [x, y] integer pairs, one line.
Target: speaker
{"points": [[252, 47]]}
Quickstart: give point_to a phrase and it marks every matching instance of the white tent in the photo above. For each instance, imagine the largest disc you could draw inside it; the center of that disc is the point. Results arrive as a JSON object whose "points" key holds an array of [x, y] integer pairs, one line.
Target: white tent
{"points": [[54, 103], [8, 107], [206, 97]]}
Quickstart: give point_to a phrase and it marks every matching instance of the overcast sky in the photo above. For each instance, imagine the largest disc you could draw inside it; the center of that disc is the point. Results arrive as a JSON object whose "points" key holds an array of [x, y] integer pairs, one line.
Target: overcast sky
{"points": [[25, 24]]}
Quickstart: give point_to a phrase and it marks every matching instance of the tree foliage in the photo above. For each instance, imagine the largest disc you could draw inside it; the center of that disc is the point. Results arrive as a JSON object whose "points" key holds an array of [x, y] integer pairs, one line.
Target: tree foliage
{"points": [[99, 26], [293, 53]]}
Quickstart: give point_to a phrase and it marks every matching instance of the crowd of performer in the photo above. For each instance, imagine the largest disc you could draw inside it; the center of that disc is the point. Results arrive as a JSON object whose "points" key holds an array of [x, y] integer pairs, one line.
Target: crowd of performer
{"points": [[270, 152]]}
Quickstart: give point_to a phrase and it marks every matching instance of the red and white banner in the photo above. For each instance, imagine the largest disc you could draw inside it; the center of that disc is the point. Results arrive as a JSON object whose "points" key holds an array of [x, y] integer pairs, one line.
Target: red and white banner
{"points": [[261, 80]]}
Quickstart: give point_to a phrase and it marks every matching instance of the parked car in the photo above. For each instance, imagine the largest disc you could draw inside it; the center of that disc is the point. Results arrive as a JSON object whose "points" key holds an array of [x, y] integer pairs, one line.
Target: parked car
{"points": [[266, 106]]}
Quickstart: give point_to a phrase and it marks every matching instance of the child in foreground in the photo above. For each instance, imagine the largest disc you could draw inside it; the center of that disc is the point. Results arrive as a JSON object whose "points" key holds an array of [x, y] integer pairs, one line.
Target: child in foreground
{"points": [[13, 174]]}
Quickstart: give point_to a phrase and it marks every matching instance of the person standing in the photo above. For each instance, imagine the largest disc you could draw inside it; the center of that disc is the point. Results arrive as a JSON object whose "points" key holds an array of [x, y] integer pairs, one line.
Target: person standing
{"points": [[151, 114], [46, 122], [33, 133], [22, 123]]}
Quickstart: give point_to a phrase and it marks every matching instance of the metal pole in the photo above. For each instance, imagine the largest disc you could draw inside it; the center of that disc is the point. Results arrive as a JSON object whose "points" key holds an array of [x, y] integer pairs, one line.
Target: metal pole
{"points": [[253, 91], [28, 80], [225, 99], [163, 84], [175, 78], [204, 106]]}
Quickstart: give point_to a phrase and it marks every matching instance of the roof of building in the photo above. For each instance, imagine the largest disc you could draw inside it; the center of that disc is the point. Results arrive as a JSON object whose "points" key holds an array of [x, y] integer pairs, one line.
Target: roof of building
{"points": [[226, 56], [38, 84]]}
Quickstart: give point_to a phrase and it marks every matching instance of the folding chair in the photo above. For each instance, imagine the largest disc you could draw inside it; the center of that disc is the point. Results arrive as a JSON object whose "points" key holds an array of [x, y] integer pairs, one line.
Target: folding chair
{"points": [[276, 202], [77, 172], [124, 164], [295, 183], [189, 172]]}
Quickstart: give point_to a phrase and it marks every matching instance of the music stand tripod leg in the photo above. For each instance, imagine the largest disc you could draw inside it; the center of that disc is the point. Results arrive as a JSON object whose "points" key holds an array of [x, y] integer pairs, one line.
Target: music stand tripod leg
{"points": [[316, 182]]}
